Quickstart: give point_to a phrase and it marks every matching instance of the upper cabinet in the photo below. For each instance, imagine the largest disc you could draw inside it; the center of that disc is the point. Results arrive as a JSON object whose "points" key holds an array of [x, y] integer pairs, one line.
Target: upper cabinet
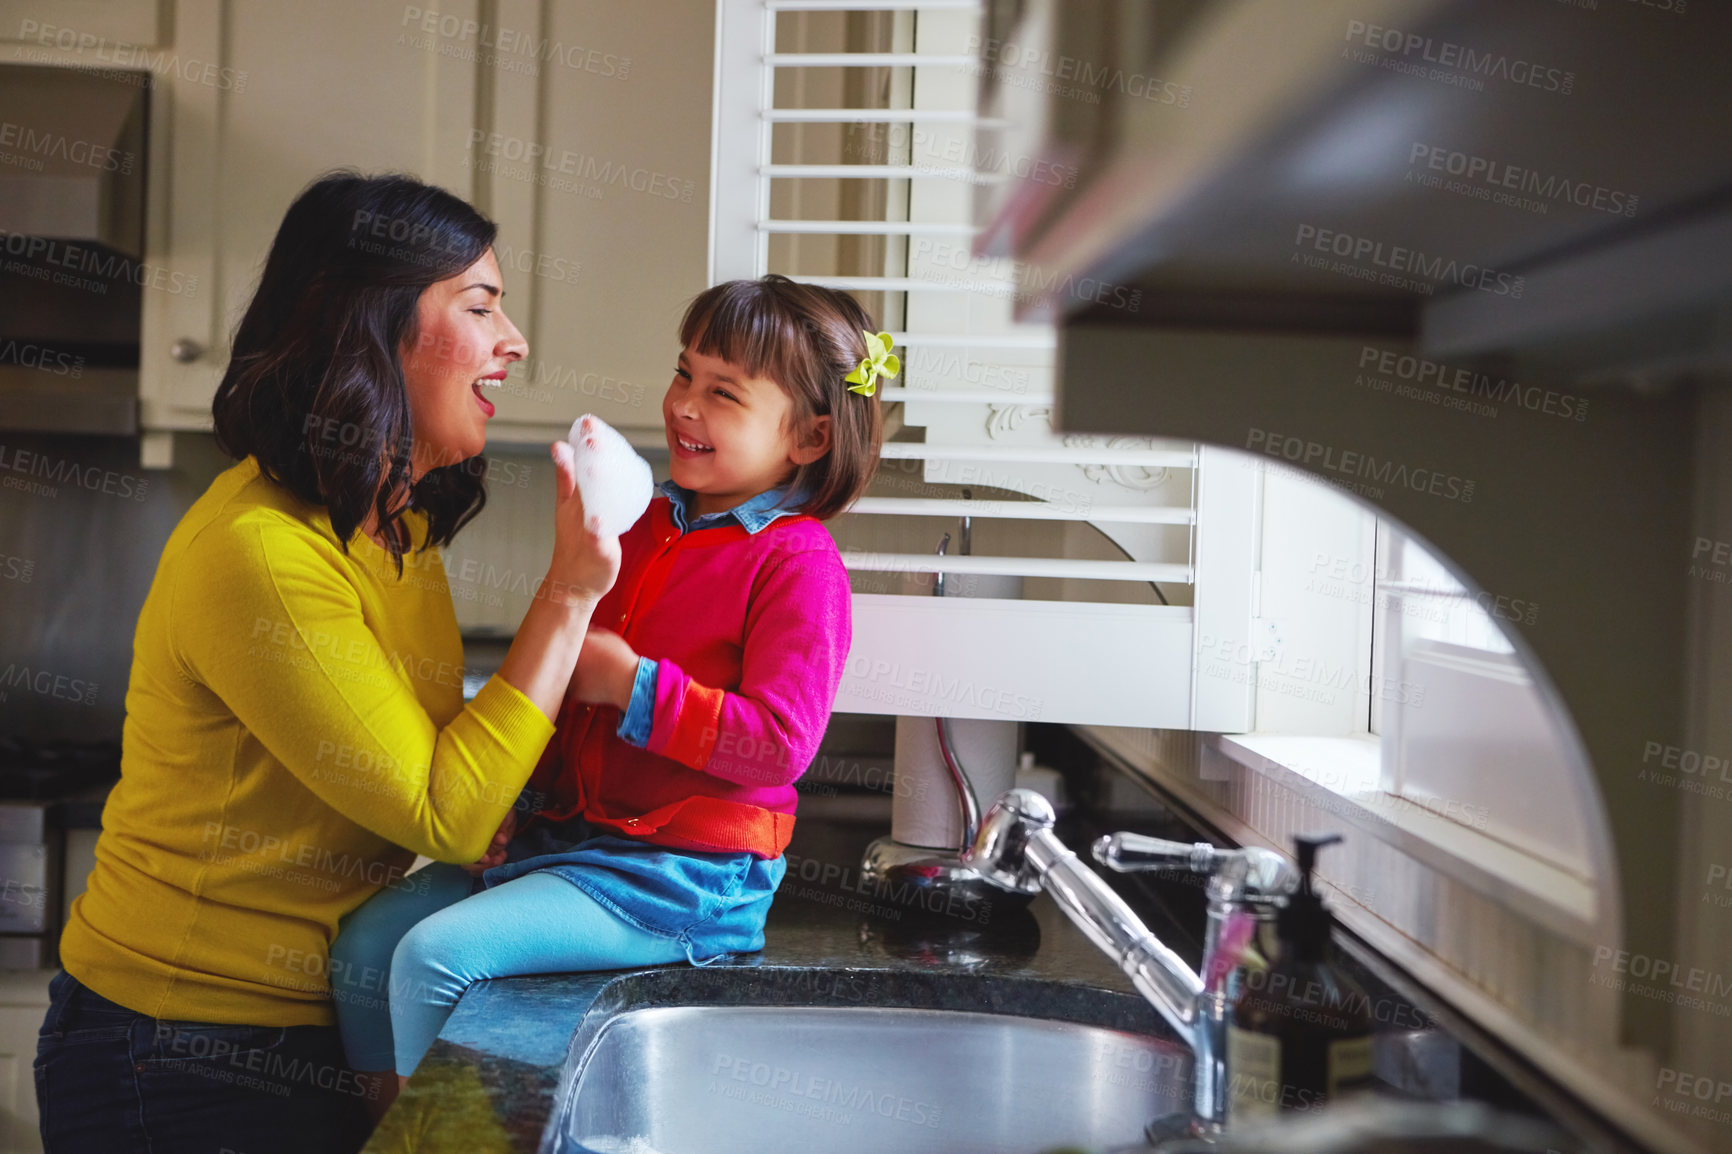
{"points": [[594, 156], [582, 129], [69, 24], [1471, 174]]}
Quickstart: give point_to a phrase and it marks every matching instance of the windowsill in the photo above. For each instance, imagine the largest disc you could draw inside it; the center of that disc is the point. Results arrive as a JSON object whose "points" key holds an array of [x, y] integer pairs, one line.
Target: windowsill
{"points": [[1343, 774]]}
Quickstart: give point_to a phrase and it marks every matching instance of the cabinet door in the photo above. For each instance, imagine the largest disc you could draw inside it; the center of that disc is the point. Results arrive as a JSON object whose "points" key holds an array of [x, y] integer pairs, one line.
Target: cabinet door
{"points": [[282, 94], [23, 1001], [70, 22], [599, 172]]}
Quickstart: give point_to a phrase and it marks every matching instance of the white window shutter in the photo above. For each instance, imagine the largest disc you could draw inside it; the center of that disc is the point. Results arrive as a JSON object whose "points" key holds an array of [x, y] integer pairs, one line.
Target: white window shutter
{"points": [[981, 386]]}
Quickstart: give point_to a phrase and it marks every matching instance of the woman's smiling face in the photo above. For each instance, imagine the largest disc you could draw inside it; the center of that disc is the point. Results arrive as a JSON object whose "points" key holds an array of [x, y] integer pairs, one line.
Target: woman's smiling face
{"points": [[730, 435], [463, 344]]}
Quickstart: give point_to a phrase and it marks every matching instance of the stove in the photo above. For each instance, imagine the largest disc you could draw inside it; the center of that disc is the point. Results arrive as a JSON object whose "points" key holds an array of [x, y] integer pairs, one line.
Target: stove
{"points": [[38, 783], [50, 771]]}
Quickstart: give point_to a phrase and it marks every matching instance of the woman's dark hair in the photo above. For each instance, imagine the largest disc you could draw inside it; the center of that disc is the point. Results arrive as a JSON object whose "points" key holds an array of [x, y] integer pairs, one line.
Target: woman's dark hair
{"points": [[314, 387], [806, 339]]}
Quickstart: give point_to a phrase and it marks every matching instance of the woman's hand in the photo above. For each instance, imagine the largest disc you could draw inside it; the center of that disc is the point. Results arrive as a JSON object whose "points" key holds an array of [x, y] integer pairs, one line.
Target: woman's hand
{"points": [[585, 563], [544, 653], [495, 854], [606, 670]]}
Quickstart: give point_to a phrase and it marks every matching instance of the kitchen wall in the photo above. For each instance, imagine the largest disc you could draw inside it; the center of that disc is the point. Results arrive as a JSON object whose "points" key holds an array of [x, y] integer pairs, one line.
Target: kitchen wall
{"points": [[81, 529]]}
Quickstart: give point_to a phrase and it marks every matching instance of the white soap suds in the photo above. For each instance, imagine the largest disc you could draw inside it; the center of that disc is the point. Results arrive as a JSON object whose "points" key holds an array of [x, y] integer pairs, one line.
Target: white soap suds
{"points": [[616, 484]]}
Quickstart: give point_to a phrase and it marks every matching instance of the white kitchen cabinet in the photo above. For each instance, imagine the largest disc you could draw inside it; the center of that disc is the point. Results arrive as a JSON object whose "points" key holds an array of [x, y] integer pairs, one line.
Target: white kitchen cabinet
{"points": [[23, 1001], [71, 22], [583, 130], [598, 171], [249, 101], [296, 91]]}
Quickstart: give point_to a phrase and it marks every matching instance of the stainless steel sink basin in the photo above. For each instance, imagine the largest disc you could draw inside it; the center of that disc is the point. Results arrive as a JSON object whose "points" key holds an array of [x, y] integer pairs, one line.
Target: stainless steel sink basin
{"points": [[717, 1079]]}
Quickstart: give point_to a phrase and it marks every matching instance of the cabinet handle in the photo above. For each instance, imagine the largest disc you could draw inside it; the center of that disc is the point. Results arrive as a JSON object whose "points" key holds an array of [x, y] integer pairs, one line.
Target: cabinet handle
{"points": [[186, 350]]}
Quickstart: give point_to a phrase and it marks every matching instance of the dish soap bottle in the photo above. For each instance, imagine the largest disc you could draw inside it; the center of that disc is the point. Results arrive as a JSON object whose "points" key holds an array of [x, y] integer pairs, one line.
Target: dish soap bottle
{"points": [[1301, 1030]]}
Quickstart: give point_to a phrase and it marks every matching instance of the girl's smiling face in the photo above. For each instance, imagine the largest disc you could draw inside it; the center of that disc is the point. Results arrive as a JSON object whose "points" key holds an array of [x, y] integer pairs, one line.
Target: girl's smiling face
{"points": [[463, 344], [730, 435]]}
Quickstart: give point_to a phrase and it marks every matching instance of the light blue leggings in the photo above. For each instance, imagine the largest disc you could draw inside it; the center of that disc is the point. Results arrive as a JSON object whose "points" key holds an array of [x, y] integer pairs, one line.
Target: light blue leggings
{"points": [[403, 959]]}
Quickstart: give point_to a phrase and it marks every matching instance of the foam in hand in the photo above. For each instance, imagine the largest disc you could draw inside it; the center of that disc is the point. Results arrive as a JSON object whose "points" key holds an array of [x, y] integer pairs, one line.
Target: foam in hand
{"points": [[615, 483]]}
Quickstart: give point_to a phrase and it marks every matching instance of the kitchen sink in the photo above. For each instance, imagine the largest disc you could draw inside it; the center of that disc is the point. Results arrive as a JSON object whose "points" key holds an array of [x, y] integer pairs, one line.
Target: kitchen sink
{"points": [[717, 1079]]}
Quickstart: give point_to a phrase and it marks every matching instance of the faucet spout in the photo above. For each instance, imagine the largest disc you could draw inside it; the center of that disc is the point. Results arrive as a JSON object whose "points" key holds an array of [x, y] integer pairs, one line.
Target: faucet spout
{"points": [[1017, 850]]}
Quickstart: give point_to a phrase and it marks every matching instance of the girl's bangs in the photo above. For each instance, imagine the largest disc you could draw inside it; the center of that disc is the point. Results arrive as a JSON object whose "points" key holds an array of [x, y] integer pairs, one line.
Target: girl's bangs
{"points": [[745, 326]]}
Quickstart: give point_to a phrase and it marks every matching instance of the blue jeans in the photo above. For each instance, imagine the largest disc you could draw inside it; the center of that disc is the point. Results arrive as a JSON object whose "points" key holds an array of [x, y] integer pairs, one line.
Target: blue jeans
{"points": [[567, 900], [110, 1079], [402, 961]]}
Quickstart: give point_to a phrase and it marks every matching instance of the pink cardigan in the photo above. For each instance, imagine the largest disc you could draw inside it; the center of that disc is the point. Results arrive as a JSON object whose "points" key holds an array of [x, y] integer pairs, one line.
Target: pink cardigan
{"points": [[750, 633]]}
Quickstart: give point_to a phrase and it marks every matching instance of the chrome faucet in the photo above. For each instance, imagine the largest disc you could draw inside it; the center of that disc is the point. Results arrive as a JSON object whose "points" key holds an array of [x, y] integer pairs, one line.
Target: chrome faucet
{"points": [[1017, 851], [938, 877]]}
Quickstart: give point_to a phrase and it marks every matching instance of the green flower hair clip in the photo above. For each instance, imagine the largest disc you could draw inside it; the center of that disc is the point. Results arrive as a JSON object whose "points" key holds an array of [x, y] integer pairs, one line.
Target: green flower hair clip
{"points": [[881, 361]]}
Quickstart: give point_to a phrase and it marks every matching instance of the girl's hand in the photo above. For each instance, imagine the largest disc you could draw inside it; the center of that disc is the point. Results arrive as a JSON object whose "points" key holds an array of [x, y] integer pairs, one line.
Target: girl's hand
{"points": [[495, 854], [585, 563], [606, 670]]}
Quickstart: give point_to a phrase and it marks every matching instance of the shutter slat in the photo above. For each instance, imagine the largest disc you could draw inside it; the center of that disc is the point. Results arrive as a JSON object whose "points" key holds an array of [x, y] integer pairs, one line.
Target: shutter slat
{"points": [[1016, 339], [878, 116], [867, 60], [867, 227], [1022, 510], [864, 562], [876, 172], [881, 6], [965, 396], [903, 284], [1038, 454]]}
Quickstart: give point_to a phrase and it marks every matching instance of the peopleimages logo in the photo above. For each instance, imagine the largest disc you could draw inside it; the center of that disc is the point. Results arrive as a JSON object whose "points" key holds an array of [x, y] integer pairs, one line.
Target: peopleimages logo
{"points": [[57, 146], [1071, 77], [473, 40], [544, 163], [1452, 59], [56, 262], [1663, 979], [1400, 265], [1437, 376], [1498, 182], [1360, 465], [122, 55]]}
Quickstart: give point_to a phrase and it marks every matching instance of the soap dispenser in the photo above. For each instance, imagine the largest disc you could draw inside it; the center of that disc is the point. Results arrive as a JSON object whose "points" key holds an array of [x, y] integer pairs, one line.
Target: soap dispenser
{"points": [[1301, 1029]]}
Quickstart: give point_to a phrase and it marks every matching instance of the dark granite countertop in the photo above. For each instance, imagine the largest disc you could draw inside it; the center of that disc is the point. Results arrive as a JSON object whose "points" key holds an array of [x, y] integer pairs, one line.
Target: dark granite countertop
{"points": [[491, 1081]]}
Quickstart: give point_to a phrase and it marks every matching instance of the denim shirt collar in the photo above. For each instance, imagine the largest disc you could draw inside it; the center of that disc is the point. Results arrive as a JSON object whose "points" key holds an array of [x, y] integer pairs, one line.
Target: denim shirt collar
{"points": [[753, 514]]}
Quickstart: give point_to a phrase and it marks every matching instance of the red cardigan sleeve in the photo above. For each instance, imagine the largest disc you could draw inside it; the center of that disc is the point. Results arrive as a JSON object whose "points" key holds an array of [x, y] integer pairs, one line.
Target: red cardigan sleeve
{"points": [[766, 732]]}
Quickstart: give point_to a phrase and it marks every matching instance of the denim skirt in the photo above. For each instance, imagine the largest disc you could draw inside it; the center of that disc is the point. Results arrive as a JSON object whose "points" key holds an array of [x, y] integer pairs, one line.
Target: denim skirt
{"points": [[712, 904]]}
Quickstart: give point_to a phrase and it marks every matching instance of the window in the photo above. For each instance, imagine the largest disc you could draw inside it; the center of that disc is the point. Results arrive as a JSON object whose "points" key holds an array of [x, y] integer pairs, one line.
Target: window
{"points": [[1360, 631], [1463, 728]]}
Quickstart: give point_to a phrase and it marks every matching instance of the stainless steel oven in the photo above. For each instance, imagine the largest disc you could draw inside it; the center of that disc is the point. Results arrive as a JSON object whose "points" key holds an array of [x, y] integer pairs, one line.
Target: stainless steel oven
{"points": [[45, 788]]}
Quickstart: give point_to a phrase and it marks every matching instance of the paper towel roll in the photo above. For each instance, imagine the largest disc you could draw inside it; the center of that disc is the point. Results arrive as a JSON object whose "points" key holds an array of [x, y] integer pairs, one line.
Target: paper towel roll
{"points": [[925, 811]]}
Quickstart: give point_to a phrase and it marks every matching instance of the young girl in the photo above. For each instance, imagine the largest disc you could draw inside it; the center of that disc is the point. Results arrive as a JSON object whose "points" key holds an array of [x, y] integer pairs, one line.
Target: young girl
{"points": [[660, 810]]}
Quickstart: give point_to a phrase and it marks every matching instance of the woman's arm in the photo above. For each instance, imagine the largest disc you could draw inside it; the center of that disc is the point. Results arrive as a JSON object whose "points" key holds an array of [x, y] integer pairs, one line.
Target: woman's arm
{"points": [[264, 618]]}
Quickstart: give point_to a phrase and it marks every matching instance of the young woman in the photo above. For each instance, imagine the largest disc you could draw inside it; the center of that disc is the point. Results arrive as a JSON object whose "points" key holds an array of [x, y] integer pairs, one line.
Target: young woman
{"points": [[296, 730]]}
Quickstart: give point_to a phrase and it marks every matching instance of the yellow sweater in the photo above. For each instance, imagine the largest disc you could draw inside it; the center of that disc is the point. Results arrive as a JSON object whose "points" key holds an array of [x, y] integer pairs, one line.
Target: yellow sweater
{"points": [[295, 734]]}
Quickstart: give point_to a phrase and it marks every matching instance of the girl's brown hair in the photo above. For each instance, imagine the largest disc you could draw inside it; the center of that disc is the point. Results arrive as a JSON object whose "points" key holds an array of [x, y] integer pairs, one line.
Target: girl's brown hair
{"points": [[806, 339]]}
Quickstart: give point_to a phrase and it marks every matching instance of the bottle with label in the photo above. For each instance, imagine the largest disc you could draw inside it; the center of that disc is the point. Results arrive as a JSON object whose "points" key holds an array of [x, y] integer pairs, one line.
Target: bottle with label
{"points": [[1301, 1030]]}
